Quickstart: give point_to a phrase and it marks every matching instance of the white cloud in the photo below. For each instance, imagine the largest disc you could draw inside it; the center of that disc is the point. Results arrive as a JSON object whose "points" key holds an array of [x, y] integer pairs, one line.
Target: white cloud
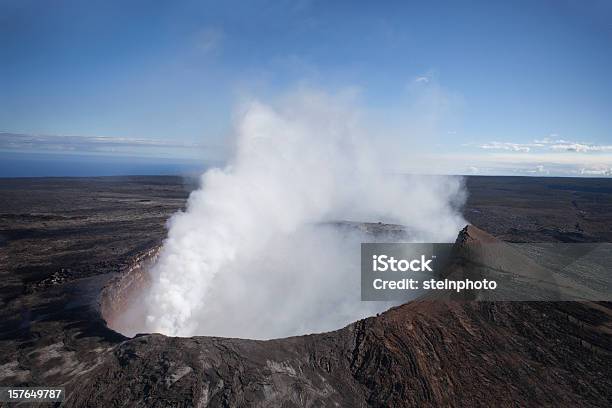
{"points": [[580, 147], [16, 142], [596, 171], [506, 162], [538, 170], [421, 79], [516, 147], [547, 143]]}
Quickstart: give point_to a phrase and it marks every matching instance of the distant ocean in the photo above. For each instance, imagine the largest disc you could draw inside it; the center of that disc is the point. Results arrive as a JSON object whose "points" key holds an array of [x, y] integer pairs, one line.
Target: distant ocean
{"points": [[13, 164]]}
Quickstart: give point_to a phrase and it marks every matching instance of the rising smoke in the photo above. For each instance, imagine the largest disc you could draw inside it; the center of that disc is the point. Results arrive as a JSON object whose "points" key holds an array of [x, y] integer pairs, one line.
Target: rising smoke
{"points": [[255, 253]]}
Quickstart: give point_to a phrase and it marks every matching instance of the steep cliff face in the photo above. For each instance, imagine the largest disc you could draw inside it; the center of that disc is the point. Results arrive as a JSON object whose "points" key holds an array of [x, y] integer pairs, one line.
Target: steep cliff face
{"points": [[425, 353], [123, 288]]}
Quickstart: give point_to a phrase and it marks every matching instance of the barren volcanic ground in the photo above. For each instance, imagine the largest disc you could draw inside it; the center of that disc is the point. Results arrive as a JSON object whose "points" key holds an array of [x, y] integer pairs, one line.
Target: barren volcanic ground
{"points": [[62, 240]]}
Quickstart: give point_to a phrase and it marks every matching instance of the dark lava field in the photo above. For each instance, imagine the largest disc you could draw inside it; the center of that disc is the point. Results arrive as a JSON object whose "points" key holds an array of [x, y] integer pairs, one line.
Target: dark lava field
{"points": [[63, 239]]}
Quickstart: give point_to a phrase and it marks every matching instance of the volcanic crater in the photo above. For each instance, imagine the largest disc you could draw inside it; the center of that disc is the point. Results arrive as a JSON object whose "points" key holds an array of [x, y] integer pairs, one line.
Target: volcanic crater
{"points": [[70, 271]]}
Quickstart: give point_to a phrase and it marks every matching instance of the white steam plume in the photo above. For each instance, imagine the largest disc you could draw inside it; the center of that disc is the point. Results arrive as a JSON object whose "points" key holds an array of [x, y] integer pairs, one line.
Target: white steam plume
{"points": [[252, 255]]}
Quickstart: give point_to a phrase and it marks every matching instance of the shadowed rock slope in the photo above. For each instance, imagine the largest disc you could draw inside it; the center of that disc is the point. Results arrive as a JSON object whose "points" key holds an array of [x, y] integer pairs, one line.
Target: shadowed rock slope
{"points": [[425, 353], [420, 354]]}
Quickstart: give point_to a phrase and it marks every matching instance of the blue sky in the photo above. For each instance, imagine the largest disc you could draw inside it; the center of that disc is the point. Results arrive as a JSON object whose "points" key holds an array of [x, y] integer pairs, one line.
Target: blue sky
{"points": [[495, 87]]}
